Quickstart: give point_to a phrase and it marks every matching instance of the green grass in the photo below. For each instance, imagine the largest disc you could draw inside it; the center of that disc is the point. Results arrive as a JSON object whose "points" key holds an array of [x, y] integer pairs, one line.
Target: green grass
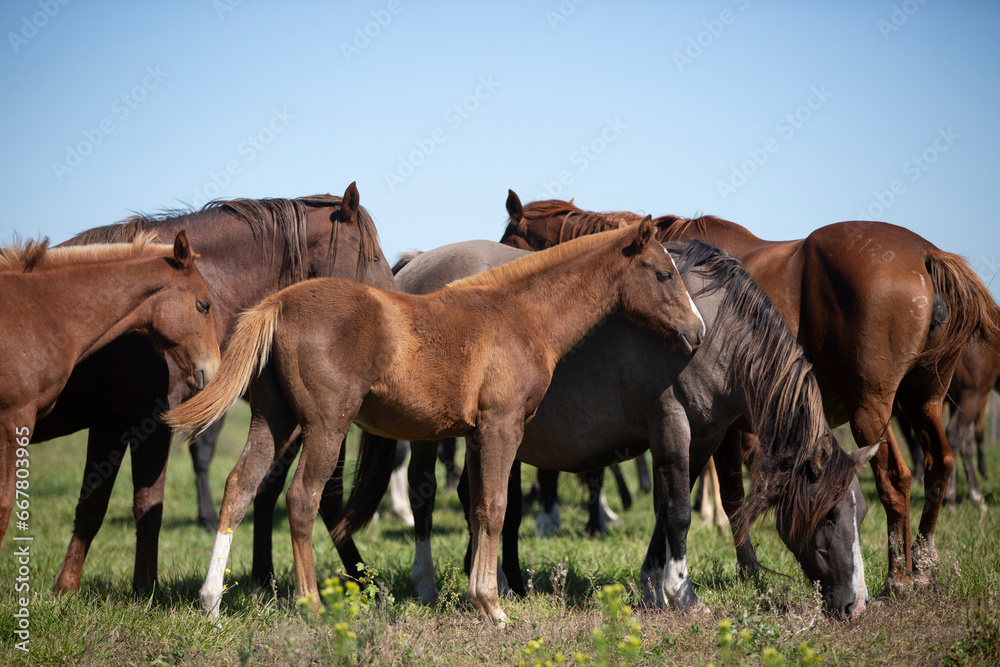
{"points": [[773, 620]]}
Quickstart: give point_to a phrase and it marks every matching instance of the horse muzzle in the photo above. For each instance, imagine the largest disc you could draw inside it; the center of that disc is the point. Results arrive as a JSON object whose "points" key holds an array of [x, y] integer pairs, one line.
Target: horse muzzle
{"points": [[202, 374]]}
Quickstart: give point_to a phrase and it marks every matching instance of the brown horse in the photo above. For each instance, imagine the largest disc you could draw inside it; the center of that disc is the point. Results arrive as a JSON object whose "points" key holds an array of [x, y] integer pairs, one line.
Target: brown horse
{"points": [[250, 248], [60, 306], [976, 374], [472, 359], [884, 315]]}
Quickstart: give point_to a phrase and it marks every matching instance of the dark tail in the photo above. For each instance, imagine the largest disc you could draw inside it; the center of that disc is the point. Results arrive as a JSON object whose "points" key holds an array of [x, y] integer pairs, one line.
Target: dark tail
{"points": [[376, 456], [972, 314]]}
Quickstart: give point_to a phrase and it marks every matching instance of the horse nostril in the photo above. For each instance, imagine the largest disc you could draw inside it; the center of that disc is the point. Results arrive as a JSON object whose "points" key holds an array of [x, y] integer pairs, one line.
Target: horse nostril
{"points": [[848, 611]]}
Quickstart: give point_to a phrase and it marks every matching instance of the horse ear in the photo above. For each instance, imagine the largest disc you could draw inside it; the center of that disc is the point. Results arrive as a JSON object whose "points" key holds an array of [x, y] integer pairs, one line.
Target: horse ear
{"points": [[644, 232], [183, 254], [514, 208], [821, 454], [863, 455], [350, 204]]}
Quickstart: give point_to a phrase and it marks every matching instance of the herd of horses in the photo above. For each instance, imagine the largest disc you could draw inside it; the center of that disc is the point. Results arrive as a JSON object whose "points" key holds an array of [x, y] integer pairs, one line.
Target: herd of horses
{"points": [[579, 341]]}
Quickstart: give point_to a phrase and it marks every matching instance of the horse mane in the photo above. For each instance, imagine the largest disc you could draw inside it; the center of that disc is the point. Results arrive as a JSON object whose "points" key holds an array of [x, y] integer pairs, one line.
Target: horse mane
{"points": [[33, 255], [786, 408], [673, 227], [584, 222], [266, 217], [531, 264]]}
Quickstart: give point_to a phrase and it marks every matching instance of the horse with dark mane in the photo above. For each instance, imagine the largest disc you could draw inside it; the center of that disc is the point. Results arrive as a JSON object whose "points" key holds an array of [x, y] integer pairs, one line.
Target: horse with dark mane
{"points": [[249, 248], [472, 359], [60, 306], [884, 315], [621, 392]]}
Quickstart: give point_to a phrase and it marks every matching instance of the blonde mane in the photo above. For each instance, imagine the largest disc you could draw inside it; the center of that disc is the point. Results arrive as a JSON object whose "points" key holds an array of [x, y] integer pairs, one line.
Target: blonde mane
{"points": [[537, 262], [34, 255]]}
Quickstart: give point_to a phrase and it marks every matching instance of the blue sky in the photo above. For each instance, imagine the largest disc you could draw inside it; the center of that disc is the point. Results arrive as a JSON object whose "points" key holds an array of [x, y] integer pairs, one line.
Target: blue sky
{"points": [[780, 116]]}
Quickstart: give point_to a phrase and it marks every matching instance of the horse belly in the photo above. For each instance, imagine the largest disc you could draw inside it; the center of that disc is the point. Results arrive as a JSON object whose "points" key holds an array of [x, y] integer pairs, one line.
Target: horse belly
{"points": [[410, 420]]}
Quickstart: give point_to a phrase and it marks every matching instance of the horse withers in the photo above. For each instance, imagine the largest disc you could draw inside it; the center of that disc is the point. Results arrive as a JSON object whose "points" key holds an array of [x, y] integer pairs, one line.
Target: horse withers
{"points": [[472, 359]]}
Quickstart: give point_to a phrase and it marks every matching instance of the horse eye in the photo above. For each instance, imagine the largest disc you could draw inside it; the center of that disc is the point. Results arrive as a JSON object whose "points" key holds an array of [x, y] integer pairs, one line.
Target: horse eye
{"points": [[203, 306], [663, 276]]}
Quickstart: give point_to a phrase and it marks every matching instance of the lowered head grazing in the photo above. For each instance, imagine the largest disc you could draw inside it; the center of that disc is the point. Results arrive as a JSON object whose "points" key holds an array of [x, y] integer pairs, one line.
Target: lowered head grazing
{"points": [[828, 547]]}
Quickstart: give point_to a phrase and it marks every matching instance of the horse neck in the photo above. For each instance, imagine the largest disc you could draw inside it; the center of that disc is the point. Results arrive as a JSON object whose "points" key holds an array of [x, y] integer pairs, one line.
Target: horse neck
{"points": [[95, 303], [723, 234], [564, 300], [239, 268]]}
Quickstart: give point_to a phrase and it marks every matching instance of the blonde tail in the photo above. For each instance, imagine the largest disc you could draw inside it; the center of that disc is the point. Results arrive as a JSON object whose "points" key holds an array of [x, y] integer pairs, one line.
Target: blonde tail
{"points": [[244, 359]]}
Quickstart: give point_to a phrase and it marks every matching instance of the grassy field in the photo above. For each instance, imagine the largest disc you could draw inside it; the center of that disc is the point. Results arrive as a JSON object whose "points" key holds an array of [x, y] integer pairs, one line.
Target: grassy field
{"points": [[574, 614]]}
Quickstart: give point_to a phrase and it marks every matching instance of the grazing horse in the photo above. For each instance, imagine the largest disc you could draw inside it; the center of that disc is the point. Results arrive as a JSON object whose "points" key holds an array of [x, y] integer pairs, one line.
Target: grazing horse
{"points": [[622, 392], [883, 314], [472, 359], [249, 248], [60, 306]]}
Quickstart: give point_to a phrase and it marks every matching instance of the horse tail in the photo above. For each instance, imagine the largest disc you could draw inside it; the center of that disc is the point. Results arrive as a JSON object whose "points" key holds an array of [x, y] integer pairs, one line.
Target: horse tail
{"points": [[964, 309], [244, 359], [376, 456]]}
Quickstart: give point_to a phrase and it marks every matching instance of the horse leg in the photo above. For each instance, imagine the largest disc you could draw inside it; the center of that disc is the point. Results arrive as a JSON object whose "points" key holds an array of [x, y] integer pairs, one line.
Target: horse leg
{"points": [[923, 404], [664, 574], [623, 491], [272, 423], [911, 441], [642, 470], [202, 450], [264, 502], [548, 520], [490, 455], [703, 493], [320, 451], [721, 521], [870, 424], [423, 491], [980, 434], [398, 494], [509, 571], [149, 476], [728, 458], [960, 433], [446, 452], [511, 567], [105, 453], [596, 523], [331, 505]]}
